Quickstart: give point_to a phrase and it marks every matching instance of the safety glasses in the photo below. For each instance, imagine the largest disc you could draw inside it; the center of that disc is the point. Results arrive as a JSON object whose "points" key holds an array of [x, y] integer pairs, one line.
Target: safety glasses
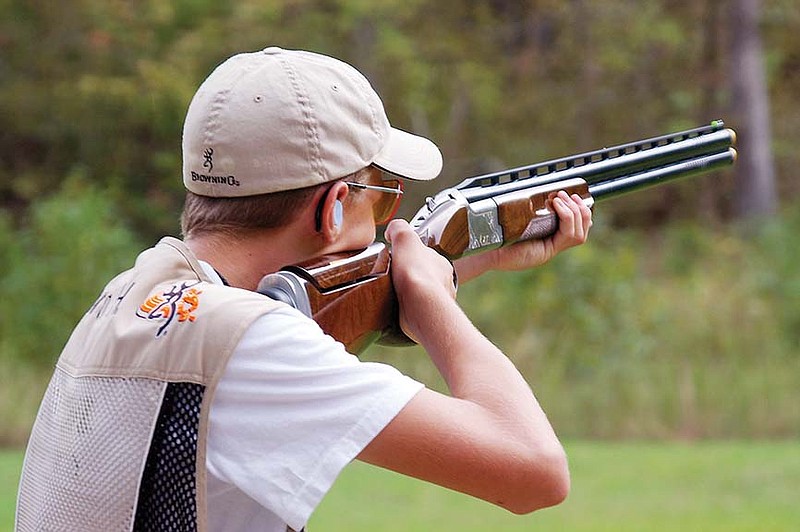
{"points": [[388, 202]]}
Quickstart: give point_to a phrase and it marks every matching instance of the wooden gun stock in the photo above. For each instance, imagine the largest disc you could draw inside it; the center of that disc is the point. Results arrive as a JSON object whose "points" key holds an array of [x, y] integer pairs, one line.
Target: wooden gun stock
{"points": [[351, 295]]}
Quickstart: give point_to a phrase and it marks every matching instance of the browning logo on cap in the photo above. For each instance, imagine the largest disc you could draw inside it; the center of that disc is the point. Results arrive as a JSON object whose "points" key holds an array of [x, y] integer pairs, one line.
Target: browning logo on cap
{"points": [[208, 156]]}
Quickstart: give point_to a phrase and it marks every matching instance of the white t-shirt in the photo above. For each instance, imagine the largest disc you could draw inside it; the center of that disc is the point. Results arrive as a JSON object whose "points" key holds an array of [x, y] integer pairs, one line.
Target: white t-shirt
{"points": [[292, 409]]}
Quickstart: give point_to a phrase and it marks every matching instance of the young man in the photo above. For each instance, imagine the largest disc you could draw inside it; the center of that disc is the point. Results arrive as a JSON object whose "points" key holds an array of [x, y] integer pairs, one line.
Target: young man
{"points": [[186, 401]]}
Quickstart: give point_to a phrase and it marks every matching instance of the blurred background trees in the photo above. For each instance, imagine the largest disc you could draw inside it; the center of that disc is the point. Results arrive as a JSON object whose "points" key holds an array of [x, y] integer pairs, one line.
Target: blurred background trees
{"points": [[93, 93], [100, 87]]}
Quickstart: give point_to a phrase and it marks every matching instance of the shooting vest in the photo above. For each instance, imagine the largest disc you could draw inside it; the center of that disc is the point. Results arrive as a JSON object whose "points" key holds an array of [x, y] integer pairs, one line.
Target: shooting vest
{"points": [[119, 441]]}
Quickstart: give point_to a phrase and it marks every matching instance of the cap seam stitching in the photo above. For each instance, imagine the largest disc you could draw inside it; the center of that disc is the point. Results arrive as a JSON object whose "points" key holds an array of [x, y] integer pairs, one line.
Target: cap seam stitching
{"points": [[309, 121], [366, 91], [216, 108]]}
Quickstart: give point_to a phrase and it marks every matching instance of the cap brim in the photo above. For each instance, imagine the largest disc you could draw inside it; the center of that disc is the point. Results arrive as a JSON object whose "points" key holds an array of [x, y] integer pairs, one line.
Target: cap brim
{"points": [[409, 156]]}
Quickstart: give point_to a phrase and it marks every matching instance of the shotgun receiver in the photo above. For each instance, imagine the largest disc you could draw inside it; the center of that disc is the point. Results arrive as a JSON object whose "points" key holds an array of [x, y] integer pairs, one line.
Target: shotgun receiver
{"points": [[351, 295]]}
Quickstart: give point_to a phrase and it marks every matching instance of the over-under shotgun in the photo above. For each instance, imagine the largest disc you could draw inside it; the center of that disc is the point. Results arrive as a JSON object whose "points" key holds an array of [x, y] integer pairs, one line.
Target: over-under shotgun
{"points": [[351, 295]]}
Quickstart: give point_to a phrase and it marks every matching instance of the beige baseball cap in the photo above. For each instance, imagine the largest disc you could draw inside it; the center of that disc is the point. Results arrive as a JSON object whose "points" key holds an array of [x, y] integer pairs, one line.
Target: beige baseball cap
{"points": [[285, 119]]}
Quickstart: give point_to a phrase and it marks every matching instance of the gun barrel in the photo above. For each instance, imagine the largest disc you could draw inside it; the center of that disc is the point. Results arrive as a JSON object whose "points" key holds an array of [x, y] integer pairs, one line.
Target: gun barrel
{"points": [[605, 164], [615, 187]]}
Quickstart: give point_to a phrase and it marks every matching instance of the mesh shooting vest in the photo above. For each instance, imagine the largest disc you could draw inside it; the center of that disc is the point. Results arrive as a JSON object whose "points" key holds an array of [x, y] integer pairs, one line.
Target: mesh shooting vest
{"points": [[119, 441]]}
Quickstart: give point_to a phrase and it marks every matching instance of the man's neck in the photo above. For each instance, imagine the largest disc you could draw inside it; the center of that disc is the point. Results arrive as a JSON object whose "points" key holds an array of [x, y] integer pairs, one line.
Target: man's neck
{"points": [[244, 260]]}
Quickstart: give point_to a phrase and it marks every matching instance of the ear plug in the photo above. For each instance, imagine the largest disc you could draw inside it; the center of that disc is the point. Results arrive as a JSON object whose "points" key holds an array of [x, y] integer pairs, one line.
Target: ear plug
{"points": [[338, 214]]}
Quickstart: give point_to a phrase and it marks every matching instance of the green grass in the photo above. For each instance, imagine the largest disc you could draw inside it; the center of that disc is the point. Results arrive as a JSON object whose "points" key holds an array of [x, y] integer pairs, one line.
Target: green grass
{"points": [[737, 486], [10, 466], [707, 486]]}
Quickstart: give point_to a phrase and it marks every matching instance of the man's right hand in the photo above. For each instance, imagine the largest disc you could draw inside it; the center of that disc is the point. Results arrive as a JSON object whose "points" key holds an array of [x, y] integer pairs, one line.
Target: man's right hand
{"points": [[421, 278]]}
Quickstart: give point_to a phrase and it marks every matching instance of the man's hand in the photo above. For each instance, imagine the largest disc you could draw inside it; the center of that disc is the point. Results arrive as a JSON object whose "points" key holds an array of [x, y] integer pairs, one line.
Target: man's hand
{"points": [[574, 222], [419, 275]]}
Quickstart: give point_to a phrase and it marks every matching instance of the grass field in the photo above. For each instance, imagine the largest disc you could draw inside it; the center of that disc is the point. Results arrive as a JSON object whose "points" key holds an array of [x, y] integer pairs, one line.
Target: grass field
{"points": [[708, 486]]}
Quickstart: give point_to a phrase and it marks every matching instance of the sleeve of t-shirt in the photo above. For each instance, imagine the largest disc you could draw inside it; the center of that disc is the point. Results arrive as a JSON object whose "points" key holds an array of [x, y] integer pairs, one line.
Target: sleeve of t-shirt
{"points": [[292, 409]]}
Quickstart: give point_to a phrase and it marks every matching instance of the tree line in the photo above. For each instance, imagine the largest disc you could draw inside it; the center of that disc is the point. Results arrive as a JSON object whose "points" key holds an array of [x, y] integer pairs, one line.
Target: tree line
{"points": [[98, 89]]}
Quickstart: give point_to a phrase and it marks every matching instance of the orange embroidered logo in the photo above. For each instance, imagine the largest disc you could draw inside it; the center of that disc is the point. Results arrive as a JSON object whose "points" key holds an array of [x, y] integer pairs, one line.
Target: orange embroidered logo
{"points": [[176, 302]]}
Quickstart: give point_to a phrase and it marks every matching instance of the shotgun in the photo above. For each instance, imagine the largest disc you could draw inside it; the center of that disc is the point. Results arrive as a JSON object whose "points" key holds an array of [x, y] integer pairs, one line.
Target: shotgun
{"points": [[351, 295]]}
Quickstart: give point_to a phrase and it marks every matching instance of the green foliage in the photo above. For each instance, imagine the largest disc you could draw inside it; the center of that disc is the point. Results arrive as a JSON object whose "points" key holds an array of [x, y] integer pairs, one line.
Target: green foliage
{"points": [[55, 266], [104, 85], [778, 276], [632, 335], [52, 269]]}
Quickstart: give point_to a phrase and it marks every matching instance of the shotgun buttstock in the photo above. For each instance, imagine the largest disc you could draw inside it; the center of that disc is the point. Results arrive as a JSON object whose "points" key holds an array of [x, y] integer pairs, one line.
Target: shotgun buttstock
{"points": [[350, 296]]}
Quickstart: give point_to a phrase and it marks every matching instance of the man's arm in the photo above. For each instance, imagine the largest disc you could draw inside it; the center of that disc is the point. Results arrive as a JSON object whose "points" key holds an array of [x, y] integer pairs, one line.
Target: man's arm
{"points": [[490, 438]]}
